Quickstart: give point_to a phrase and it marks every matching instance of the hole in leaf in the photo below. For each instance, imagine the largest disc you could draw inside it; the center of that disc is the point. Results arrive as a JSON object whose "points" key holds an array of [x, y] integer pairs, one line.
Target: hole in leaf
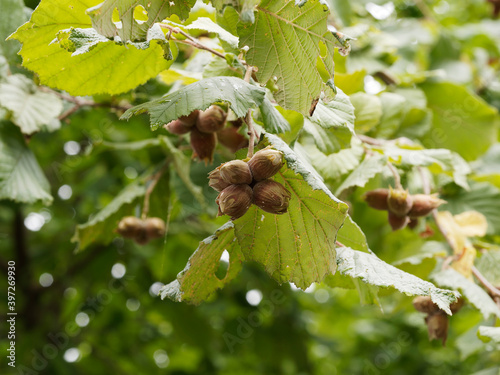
{"points": [[140, 14], [115, 17], [223, 265]]}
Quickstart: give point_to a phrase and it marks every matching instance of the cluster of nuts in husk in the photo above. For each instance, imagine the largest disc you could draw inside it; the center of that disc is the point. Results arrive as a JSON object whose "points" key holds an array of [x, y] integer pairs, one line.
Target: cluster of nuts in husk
{"points": [[141, 231], [436, 319], [205, 127], [403, 207], [242, 183]]}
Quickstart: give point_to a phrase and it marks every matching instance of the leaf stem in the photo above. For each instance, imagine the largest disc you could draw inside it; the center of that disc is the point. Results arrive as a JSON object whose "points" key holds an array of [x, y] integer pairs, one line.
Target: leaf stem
{"points": [[397, 177], [190, 40]]}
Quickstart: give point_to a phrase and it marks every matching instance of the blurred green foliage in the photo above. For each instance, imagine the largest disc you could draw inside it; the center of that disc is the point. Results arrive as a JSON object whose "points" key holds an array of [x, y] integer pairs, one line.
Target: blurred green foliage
{"points": [[253, 325]]}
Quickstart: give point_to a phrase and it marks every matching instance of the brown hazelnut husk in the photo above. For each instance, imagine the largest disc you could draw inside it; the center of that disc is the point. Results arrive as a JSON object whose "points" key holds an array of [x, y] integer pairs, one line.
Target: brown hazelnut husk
{"points": [[231, 139], [399, 201], [130, 227], [216, 181], [412, 224], [423, 204], [424, 304], [211, 120], [183, 124], [203, 145], [154, 227], [234, 201], [397, 222], [437, 326], [271, 196], [377, 199], [457, 305], [236, 172], [265, 163]]}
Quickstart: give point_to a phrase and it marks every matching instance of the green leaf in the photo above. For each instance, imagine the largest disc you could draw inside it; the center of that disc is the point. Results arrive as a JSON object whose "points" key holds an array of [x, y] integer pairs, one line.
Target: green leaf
{"points": [[108, 68], [21, 178], [245, 8], [335, 165], [462, 121], [173, 75], [131, 29], [488, 334], [394, 108], [298, 246], [422, 263], [198, 281], [182, 165], [343, 10], [100, 228], [200, 95], [31, 108], [332, 124], [487, 264], [368, 111], [351, 235], [285, 42], [487, 168], [350, 83], [228, 19], [482, 197], [372, 270], [204, 23], [438, 160], [364, 172], [273, 120], [79, 41], [296, 121], [336, 113], [474, 293], [11, 17], [219, 67]]}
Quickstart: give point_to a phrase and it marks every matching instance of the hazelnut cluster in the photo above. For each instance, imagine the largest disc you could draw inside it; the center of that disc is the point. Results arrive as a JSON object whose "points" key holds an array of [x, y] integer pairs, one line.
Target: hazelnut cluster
{"points": [[436, 319], [205, 128], [242, 183], [141, 231], [403, 208]]}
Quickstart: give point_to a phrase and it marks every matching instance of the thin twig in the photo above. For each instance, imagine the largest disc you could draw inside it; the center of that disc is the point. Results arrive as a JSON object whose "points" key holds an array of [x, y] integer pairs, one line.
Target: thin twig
{"points": [[190, 40], [68, 112], [251, 134], [370, 140], [248, 118], [154, 180], [397, 177], [493, 291]]}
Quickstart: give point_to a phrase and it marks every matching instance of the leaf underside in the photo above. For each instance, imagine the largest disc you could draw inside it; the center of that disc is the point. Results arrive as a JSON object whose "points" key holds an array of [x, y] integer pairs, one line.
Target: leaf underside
{"points": [[285, 42]]}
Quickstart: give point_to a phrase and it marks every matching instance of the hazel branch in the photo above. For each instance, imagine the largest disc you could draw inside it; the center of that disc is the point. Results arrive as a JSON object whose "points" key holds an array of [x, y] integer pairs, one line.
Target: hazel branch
{"points": [[190, 40], [495, 292], [248, 117], [79, 103]]}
